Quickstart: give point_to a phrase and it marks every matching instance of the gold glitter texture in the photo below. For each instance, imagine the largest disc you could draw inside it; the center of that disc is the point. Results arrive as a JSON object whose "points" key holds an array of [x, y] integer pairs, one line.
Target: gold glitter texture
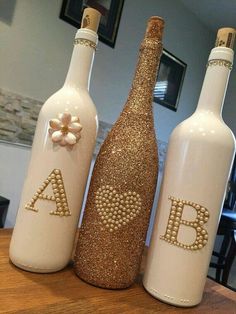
{"points": [[175, 221], [128, 163], [59, 195], [116, 210]]}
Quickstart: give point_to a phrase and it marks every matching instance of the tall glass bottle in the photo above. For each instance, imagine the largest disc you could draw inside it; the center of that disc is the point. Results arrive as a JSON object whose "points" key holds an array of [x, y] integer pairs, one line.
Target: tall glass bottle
{"points": [[123, 183], [62, 150], [197, 169]]}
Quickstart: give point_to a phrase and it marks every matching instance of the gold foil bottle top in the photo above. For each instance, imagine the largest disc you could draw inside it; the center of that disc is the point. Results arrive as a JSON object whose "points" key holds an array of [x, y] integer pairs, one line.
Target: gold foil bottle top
{"points": [[155, 27], [91, 19], [225, 37]]}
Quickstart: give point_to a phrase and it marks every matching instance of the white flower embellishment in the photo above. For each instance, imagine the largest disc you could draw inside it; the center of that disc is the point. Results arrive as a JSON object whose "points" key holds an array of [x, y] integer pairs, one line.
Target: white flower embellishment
{"points": [[65, 130]]}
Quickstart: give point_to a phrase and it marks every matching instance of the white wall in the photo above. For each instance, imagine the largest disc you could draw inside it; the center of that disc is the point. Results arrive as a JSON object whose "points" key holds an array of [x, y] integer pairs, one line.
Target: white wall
{"points": [[35, 52]]}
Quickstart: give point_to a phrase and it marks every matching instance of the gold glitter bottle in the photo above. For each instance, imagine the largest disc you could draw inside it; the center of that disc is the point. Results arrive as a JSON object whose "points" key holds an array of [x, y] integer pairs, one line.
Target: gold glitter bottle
{"points": [[64, 141], [123, 183], [197, 168]]}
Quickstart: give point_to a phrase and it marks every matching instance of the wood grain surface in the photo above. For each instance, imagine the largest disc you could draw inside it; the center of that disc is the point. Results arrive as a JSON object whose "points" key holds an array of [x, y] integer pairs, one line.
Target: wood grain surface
{"points": [[64, 292]]}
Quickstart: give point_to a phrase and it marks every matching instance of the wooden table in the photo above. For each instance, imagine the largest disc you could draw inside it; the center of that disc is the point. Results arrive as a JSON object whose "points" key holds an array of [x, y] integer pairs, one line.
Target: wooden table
{"points": [[64, 292]]}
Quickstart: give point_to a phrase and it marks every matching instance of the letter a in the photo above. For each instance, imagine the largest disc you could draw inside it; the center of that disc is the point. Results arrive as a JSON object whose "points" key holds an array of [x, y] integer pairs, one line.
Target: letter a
{"points": [[59, 195]]}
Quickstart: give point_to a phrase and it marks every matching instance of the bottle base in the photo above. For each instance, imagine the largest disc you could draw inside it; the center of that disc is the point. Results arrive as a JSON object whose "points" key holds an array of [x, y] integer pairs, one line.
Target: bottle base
{"points": [[109, 286], [32, 269], [169, 299]]}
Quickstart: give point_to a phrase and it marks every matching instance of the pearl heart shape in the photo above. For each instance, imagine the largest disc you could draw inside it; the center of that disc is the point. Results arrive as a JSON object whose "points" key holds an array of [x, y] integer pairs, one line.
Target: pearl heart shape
{"points": [[116, 210]]}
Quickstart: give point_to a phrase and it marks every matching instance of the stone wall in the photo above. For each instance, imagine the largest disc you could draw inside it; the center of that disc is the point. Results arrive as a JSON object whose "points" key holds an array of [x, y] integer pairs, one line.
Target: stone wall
{"points": [[18, 117]]}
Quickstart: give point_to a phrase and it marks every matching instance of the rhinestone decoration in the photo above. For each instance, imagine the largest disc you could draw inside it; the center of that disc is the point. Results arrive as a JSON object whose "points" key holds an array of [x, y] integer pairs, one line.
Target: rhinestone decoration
{"points": [[59, 195], [85, 42], [220, 62], [65, 130], [116, 210], [175, 220]]}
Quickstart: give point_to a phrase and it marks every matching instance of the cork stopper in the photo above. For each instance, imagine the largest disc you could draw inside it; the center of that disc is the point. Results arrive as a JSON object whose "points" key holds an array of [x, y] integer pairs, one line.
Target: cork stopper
{"points": [[225, 37], [155, 27], [91, 19]]}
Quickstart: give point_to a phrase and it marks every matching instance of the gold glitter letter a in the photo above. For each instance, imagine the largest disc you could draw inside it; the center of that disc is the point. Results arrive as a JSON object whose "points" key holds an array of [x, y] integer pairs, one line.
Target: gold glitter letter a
{"points": [[56, 180], [175, 220]]}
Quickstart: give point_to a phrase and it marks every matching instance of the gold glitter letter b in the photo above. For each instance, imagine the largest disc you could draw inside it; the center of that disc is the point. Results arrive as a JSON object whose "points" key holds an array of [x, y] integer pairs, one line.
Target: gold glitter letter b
{"points": [[175, 220], [59, 195]]}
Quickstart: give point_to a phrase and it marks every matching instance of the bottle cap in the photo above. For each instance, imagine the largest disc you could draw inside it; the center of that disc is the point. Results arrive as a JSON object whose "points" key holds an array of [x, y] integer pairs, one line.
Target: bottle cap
{"points": [[225, 37], [91, 19], [155, 28]]}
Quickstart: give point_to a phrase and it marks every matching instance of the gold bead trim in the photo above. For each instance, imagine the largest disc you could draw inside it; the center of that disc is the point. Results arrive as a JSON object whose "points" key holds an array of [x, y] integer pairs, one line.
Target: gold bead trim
{"points": [[116, 210], [85, 42], [175, 220], [59, 195], [220, 62]]}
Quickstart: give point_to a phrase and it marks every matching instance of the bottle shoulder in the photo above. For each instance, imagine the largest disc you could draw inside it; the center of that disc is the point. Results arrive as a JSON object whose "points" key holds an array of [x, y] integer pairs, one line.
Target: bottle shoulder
{"points": [[203, 126], [131, 133], [69, 99]]}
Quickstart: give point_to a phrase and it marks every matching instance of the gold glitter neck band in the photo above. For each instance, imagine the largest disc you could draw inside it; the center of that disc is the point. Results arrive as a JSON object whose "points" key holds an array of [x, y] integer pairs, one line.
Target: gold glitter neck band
{"points": [[85, 42], [220, 62]]}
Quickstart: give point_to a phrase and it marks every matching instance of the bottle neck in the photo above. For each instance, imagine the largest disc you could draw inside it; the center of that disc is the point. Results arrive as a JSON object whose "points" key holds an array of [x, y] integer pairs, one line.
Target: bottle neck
{"points": [[79, 72], [141, 94], [216, 80]]}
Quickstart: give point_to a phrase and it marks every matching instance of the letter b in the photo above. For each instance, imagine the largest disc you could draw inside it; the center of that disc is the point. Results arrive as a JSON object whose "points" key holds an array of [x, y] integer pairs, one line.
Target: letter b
{"points": [[175, 220]]}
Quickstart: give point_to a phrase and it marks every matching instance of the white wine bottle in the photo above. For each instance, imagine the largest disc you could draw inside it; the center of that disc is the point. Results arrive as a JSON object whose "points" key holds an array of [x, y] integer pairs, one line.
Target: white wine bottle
{"points": [[63, 145], [123, 183], [198, 164]]}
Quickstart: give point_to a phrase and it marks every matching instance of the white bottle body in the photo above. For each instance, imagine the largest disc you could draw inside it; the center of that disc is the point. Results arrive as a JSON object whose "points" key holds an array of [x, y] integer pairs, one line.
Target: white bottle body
{"points": [[43, 242], [197, 169]]}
